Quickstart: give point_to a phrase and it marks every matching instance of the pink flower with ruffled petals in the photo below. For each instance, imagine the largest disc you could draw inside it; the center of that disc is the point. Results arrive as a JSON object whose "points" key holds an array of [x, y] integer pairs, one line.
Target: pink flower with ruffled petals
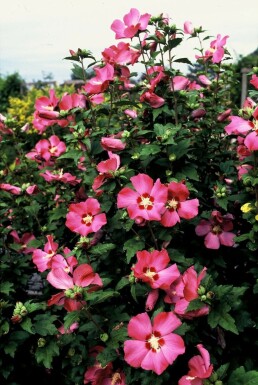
{"points": [[178, 205], [151, 267], [43, 259], [152, 99], [11, 189], [72, 285], [112, 144], [184, 290], [121, 54], [238, 126], [60, 176], [153, 347], [133, 22], [216, 51], [179, 83], [147, 201], [217, 230], [69, 102], [100, 82], [23, 241], [251, 141], [84, 218], [254, 81], [106, 168], [199, 368]]}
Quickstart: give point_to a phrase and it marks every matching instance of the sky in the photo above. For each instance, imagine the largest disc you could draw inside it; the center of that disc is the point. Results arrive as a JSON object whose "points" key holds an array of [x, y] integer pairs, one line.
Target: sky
{"points": [[36, 35]]}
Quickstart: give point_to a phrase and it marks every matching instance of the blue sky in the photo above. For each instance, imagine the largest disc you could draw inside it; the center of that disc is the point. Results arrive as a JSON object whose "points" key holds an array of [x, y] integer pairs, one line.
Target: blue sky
{"points": [[35, 35]]}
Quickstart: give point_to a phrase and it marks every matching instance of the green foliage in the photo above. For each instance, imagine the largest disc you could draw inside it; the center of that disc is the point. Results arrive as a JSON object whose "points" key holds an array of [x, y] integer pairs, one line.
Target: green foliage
{"points": [[60, 321]]}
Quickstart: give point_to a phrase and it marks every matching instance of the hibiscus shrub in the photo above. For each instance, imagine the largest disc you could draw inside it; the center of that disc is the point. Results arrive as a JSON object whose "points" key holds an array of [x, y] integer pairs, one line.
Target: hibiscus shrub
{"points": [[129, 220]]}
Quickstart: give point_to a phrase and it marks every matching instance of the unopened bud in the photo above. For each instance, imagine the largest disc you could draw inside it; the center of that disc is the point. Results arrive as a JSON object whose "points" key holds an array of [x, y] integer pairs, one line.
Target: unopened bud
{"points": [[104, 337], [41, 342]]}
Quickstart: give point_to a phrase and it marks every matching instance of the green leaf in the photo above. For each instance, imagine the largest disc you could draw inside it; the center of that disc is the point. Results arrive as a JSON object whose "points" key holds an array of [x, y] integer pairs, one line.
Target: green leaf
{"points": [[195, 304], [183, 60], [27, 325], [6, 288], [102, 249], [33, 209], [70, 318], [241, 377], [222, 371], [106, 356], [72, 154], [44, 355], [101, 296], [222, 202], [131, 247], [149, 149], [34, 306], [228, 323], [124, 281], [44, 324]]}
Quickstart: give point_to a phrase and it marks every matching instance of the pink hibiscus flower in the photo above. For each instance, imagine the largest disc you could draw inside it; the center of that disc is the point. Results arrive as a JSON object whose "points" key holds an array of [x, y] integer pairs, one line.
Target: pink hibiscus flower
{"points": [[11, 189], [152, 99], [84, 217], [107, 169], [184, 290], [153, 347], [23, 241], [238, 126], [97, 374], [121, 54], [151, 268], [60, 176], [133, 22], [147, 201], [251, 141], [217, 230], [42, 259], [100, 82], [112, 144], [199, 368], [254, 81], [178, 206], [72, 285]]}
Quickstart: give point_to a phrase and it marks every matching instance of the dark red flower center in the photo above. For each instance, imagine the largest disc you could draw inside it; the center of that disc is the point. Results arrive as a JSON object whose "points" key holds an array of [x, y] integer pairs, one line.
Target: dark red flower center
{"points": [[151, 273], [154, 342], [87, 219], [145, 201]]}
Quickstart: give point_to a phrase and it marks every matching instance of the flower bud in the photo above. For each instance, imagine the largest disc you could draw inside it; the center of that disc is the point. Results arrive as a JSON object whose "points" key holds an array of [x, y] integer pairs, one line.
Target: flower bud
{"points": [[104, 337], [41, 342]]}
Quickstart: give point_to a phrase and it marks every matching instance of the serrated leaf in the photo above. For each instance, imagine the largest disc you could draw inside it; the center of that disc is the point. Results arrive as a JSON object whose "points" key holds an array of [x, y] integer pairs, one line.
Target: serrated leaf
{"points": [[102, 249], [101, 296], [228, 323], [241, 377], [33, 209], [6, 288], [122, 283], [44, 355], [222, 371], [195, 304], [44, 324], [106, 356], [131, 247], [70, 318], [150, 149], [26, 325], [34, 306]]}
